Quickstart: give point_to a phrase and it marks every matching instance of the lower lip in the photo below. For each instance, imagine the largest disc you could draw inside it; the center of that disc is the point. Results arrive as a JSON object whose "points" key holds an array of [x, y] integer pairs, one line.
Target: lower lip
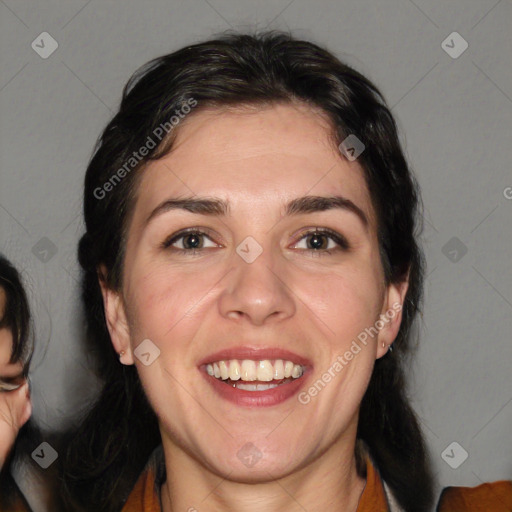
{"points": [[264, 398]]}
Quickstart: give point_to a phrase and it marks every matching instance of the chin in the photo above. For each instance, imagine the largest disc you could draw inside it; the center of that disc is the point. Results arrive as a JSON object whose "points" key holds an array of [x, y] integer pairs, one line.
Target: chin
{"points": [[253, 463]]}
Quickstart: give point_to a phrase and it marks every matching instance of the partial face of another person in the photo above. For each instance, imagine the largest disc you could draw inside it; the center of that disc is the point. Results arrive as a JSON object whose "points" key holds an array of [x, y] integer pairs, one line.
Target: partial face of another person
{"points": [[259, 283], [8, 370], [15, 406]]}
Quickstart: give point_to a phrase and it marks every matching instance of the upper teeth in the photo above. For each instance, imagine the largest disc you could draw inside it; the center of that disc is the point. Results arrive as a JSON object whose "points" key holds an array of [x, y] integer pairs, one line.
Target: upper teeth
{"points": [[249, 370]]}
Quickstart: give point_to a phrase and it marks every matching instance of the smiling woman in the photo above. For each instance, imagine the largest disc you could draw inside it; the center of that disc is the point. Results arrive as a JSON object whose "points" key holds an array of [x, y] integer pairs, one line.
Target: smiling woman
{"points": [[227, 274]]}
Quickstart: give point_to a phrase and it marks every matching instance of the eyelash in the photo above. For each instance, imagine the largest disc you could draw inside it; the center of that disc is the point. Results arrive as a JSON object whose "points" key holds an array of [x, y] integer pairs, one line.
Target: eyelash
{"points": [[340, 240]]}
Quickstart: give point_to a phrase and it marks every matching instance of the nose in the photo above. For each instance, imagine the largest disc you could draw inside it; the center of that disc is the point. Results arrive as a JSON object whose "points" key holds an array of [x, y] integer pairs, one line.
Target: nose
{"points": [[257, 292]]}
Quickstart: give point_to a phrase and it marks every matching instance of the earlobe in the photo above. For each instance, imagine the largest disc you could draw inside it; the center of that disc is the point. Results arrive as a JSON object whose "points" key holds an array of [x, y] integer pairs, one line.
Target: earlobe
{"points": [[117, 324], [391, 316]]}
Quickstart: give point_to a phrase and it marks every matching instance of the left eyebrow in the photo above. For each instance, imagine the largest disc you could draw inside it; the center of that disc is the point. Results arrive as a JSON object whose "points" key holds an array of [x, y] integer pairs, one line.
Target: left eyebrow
{"points": [[310, 204], [297, 206]]}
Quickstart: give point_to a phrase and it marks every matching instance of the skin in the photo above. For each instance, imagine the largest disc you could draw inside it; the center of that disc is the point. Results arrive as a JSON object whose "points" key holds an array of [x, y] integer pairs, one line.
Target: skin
{"points": [[15, 406], [310, 303]]}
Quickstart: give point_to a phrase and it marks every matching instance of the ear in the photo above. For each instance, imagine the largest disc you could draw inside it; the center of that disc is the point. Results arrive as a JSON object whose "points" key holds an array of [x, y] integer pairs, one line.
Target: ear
{"points": [[115, 315], [391, 315]]}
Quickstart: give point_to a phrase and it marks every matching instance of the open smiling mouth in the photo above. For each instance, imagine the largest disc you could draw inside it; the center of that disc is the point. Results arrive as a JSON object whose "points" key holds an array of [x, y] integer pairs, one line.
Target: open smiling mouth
{"points": [[255, 382]]}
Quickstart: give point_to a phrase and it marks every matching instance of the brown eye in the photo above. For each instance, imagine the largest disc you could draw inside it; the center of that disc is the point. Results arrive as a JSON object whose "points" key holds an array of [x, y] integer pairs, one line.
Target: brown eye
{"points": [[189, 241], [322, 240], [192, 241], [317, 241]]}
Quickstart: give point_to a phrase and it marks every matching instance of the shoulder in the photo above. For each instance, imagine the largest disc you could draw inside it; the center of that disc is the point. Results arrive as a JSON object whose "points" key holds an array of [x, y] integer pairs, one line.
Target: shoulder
{"points": [[495, 496], [145, 495], [11, 498]]}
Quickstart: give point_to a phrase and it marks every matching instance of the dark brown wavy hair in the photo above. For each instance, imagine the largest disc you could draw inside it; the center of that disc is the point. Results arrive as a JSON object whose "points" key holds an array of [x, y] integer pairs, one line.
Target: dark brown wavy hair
{"points": [[119, 431]]}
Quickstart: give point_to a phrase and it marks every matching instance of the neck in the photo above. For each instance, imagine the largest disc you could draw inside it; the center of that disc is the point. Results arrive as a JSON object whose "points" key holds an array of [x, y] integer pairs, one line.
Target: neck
{"points": [[329, 482]]}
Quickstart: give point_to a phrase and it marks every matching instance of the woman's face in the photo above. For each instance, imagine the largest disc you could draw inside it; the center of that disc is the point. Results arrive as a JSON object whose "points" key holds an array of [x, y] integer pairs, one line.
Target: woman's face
{"points": [[253, 286]]}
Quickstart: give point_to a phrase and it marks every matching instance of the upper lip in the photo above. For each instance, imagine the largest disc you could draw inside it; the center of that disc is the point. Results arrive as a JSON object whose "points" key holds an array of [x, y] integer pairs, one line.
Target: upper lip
{"points": [[256, 354]]}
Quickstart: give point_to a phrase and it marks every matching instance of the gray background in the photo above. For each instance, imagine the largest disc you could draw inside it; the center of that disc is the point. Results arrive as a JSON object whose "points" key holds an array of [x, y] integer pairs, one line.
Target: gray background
{"points": [[455, 117]]}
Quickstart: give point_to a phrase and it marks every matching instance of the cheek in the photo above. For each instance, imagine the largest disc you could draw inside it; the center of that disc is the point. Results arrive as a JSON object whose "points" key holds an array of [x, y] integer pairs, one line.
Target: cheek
{"points": [[163, 297], [347, 299]]}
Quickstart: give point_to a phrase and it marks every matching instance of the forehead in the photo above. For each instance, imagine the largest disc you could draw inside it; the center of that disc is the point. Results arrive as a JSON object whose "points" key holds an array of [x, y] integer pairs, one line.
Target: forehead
{"points": [[253, 157]]}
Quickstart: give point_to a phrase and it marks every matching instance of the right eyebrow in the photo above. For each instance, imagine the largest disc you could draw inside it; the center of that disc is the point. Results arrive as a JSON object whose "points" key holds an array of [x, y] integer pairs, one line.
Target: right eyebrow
{"points": [[199, 206]]}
